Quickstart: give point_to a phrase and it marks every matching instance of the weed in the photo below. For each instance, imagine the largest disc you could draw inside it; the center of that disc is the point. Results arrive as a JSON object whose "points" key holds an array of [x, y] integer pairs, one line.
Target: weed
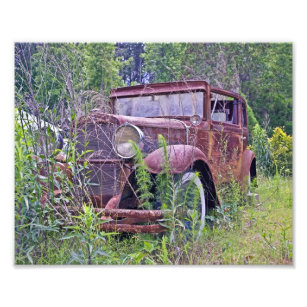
{"points": [[144, 182], [89, 236]]}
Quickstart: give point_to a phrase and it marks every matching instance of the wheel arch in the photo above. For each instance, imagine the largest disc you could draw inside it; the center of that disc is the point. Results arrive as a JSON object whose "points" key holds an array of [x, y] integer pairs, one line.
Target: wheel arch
{"points": [[248, 165], [207, 181]]}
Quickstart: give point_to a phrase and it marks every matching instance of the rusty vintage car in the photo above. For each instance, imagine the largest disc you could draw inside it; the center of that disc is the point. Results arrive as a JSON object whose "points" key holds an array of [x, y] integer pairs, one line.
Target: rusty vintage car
{"points": [[206, 130]]}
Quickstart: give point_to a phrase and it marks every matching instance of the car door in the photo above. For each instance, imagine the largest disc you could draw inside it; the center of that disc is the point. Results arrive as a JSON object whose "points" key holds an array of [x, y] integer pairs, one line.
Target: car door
{"points": [[244, 125], [226, 136]]}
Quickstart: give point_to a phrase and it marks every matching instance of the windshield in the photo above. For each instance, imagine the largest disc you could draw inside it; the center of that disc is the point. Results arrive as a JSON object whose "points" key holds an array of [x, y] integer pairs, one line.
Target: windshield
{"points": [[181, 104]]}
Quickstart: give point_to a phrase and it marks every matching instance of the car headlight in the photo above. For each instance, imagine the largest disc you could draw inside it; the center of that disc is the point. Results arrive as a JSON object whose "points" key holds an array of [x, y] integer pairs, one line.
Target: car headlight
{"points": [[123, 136]]}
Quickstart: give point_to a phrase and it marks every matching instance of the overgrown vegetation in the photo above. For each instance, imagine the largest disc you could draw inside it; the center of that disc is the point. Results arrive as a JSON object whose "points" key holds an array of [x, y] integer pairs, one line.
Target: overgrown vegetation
{"points": [[237, 232], [273, 154]]}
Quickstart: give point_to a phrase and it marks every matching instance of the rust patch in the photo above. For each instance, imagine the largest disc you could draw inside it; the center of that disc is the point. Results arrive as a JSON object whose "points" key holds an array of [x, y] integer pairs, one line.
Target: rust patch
{"points": [[133, 228]]}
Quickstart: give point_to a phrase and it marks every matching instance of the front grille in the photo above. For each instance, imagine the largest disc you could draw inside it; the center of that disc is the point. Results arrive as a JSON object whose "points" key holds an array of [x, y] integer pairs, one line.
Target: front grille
{"points": [[103, 178], [97, 138]]}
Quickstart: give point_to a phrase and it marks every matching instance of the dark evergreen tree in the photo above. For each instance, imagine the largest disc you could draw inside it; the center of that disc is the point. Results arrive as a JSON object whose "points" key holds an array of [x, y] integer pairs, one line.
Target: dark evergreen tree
{"points": [[133, 71]]}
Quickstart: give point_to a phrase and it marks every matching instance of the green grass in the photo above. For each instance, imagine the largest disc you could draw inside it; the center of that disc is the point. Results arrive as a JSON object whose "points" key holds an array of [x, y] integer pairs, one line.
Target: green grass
{"points": [[257, 233], [261, 233]]}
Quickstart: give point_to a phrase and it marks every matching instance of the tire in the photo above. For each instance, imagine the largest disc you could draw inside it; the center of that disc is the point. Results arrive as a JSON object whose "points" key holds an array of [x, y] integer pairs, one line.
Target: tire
{"points": [[249, 184], [190, 182]]}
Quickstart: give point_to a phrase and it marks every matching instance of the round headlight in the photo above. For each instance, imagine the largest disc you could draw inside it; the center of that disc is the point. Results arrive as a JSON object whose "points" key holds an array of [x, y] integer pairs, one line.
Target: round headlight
{"points": [[123, 136]]}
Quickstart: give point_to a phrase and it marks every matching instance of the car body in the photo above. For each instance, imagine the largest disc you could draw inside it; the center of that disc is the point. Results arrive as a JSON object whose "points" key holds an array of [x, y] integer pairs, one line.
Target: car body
{"points": [[206, 130]]}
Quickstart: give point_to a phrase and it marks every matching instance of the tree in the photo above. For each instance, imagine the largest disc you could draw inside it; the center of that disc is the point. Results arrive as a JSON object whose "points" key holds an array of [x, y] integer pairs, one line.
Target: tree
{"points": [[133, 70], [102, 67], [164, 61]]}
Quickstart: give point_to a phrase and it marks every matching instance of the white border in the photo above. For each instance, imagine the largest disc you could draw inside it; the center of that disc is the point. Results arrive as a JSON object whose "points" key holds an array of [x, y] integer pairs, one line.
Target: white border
{"points": [[151, 21]]}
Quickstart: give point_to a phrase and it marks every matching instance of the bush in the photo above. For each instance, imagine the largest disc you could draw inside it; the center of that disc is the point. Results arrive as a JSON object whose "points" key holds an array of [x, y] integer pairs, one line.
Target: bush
{"points": [[281, 145], [263, 151]]}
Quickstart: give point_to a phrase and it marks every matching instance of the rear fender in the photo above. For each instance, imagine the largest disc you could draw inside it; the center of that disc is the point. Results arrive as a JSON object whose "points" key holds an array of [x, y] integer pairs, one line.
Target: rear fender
{"points": [[248, 163]]}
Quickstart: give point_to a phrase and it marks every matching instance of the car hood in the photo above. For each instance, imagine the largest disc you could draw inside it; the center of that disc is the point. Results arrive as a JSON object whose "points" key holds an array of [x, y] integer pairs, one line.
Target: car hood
{"points": [[137, 121]]}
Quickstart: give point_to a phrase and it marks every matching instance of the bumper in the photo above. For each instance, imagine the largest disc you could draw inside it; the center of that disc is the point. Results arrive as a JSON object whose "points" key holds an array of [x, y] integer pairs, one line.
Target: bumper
{"points": [[132, 221], [127, 220]]}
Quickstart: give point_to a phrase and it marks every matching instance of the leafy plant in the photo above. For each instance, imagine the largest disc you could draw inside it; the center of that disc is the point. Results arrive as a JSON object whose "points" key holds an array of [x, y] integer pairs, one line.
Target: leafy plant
{"points": [[90, 237], [281, 145], [263, 151], [144, 181]]}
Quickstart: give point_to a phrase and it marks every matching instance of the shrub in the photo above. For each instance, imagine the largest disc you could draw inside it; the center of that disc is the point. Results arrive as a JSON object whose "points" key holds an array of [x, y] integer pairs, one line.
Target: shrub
{"points": [[281, 145], [263, 151], [33, 222]]}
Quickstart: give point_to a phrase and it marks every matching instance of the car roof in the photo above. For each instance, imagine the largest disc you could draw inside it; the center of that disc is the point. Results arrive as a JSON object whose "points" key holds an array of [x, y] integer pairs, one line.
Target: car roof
{"points": [[159, 88], [170, 87]]}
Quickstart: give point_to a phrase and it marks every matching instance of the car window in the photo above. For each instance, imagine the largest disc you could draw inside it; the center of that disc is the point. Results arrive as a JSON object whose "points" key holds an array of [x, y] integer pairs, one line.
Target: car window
{"points": [[175, 104], [224, 109]]}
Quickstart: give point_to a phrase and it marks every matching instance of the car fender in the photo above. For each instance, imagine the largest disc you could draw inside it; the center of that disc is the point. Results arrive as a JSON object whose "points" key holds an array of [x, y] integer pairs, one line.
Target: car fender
{"points": [[247, 159], [180, 158]]}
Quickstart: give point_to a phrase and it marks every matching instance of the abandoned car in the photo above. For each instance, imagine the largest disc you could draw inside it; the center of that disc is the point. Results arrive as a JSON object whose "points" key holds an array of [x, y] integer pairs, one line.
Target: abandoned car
{"points": [[206, 131]]}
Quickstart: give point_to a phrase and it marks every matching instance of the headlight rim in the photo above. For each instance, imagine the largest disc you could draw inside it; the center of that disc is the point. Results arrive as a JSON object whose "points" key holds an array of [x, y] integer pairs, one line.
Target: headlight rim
{"points": [[141, 138]]}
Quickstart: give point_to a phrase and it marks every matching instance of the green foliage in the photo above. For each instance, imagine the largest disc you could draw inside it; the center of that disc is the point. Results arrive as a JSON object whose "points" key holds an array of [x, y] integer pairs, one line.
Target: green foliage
{"points": [[164, 61], [281, 145], [164, 251], [263, 151], [32, 221], [38, 221], [133, 70], [90, 237], [165, 180], [262, 234], [143, 178], [102, 67], [252, 121]]}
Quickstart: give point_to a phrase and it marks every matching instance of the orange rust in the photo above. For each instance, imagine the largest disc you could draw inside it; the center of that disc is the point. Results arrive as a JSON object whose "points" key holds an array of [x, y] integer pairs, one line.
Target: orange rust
{"points": [[156, 228]]}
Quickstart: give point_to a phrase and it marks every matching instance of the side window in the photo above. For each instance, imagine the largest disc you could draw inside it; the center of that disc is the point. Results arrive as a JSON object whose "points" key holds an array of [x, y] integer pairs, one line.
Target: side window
{"points": [[224, 109], [244, 120]]}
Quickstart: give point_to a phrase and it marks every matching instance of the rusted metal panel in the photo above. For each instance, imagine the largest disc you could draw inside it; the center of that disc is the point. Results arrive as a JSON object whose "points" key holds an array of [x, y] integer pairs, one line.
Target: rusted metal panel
{"points": [[159, 88], [247, 159], [180, 158], [121, 220], [226, 93], [156, 228], [151, 215]]}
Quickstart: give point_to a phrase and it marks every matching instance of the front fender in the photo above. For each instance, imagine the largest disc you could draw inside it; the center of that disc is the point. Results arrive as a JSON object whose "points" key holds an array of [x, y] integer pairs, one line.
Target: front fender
{"points": [[180, 158]]}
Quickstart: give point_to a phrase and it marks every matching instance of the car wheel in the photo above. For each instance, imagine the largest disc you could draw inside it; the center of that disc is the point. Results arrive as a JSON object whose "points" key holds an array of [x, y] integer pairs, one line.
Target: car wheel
{"points": [[192, 205]]}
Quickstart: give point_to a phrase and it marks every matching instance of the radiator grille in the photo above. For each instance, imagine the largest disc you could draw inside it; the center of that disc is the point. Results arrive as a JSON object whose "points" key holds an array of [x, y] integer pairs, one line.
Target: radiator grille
{"points": [[104, 178], [99, 138]]}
